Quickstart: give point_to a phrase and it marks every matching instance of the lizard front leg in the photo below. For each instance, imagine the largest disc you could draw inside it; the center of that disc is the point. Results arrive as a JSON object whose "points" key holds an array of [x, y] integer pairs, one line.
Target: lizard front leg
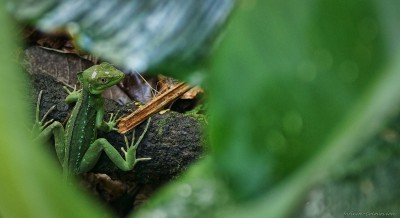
{"points": [[106, 126], [93, 153], [73, 95]]}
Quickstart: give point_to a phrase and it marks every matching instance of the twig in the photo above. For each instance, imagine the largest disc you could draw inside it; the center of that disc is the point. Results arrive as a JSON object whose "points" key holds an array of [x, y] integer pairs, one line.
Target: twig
{"points": [[131, 121]]}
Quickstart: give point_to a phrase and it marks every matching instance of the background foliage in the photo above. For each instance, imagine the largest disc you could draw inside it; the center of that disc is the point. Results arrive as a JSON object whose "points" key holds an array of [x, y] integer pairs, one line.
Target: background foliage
{"points": [[295, 90]]}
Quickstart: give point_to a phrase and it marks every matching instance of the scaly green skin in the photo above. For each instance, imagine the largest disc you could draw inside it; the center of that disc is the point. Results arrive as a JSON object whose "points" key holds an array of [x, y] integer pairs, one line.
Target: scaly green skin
{"points": [[77, 146]]}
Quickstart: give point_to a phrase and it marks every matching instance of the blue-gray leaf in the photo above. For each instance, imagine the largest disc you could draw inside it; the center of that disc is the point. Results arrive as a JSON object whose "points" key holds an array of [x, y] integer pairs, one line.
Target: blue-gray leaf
{"points": [[172, 35]]}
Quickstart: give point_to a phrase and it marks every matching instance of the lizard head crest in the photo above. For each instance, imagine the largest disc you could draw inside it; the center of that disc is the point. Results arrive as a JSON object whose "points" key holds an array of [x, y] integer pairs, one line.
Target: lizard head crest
{"points": [[100, 77]]}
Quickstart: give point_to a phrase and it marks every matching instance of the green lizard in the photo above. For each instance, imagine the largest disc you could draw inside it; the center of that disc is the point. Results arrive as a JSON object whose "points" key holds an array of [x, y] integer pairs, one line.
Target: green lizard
{"points": [[77, 146]]}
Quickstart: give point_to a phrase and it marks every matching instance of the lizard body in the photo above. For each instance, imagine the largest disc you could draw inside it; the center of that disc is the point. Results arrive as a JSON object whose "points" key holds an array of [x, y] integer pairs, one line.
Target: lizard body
{"points": [[77, 146]]}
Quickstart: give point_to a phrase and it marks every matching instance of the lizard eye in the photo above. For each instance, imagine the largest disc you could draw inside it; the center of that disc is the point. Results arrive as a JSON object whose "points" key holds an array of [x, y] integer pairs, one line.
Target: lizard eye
{"points": [[103, 80]]}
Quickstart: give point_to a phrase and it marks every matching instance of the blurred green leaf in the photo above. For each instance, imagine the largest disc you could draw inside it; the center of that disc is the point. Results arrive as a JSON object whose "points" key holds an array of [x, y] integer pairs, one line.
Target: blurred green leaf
{"points": [[296, 90], [29, 186], [286, 76]]}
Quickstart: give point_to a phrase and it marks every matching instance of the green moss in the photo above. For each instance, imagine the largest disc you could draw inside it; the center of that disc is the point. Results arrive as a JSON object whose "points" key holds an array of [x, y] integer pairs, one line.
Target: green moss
{"points": [[198, 113]]}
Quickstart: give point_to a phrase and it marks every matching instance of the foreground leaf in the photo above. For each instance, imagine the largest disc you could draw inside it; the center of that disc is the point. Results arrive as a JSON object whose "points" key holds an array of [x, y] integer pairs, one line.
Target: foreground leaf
{"points": [[29, 186], [296, 90], [286, 77]]}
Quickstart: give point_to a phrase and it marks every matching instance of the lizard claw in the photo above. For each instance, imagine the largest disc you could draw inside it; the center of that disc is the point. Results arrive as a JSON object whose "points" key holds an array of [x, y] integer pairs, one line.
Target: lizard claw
{"points": [[46, 114], [73, 95], [73, 90], [127, 145], [38, 126], [124, 151], [132, 146], [112, 122]]}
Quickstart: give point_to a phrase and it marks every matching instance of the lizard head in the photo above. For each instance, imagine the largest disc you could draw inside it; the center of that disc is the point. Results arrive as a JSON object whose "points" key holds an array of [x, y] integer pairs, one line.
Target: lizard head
{"points": [[100, 77]]}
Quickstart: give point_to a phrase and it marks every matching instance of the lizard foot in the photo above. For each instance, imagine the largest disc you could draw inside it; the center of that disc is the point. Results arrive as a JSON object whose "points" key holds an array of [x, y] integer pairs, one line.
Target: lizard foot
{"points": [[130, 152], [39, 124], [72, 95], [112, 122]]}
